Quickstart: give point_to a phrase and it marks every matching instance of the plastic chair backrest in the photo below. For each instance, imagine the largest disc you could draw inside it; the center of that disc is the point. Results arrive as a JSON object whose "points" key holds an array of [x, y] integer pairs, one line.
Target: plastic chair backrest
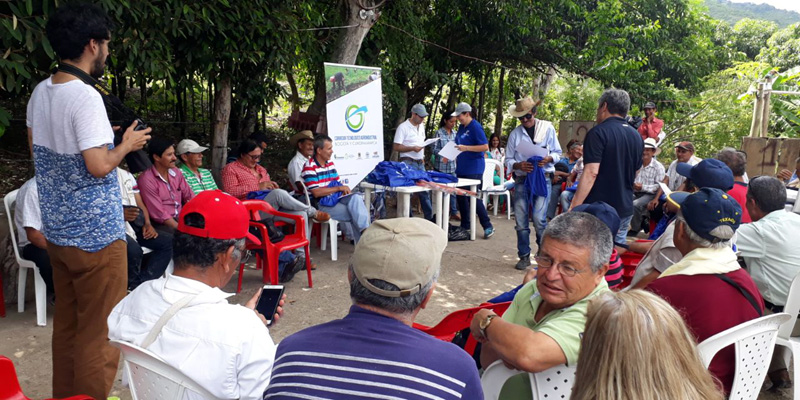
{"points": [[458, 320], [792, 308], [9, 201], [152, 378], [493, 379], [553, 383], [497, 163], [754, 342], [10, 389], [487, 180]]}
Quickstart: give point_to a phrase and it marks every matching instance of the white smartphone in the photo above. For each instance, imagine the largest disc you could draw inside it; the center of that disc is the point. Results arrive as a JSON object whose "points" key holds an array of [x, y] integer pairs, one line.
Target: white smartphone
{"points": [[268, 302]]}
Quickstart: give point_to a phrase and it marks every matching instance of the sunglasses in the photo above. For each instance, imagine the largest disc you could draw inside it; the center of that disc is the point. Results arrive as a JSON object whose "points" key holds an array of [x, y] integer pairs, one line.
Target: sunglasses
{"points": [[526, 117]]}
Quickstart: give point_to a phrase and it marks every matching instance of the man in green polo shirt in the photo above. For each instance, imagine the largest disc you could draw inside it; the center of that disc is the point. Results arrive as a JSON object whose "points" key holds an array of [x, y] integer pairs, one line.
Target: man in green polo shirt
{"points": [[191, 155], [542, 328]]}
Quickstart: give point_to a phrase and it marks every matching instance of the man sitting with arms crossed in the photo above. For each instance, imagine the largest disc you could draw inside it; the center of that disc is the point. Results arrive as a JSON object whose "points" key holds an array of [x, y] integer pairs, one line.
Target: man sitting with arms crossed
{"points": [[542, 327], [225, 348], [191, 155], [772, 257], [319, 174], [303, 142], [707, 286], [374, 352]]}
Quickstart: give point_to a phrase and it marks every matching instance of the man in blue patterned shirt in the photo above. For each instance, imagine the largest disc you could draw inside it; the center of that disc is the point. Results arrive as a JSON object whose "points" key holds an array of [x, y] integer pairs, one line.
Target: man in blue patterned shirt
{"points": [[446, 134], [80, 200]]}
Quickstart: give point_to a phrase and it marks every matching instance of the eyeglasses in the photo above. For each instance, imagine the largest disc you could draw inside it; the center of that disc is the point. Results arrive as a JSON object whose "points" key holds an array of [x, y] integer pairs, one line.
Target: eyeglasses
{"points": [[254, 158], [565, 270], [525, 117]]}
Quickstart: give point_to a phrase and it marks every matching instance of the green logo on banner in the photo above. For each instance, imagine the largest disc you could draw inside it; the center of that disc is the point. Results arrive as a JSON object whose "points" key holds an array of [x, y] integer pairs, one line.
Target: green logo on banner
{"points": [[351, 113]]}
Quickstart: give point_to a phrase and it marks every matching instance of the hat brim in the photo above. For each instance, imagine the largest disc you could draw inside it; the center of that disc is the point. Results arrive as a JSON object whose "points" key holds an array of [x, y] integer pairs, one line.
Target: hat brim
{"points": [[684, 169], [518, 113], [677, 198], [298, 137], [656, 152], [196, 150]]}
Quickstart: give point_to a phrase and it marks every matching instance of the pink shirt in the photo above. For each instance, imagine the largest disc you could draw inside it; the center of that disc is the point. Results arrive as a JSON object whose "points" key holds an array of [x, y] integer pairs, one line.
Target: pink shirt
{"points": [[651, 129], [164, 199], [238, 180]]}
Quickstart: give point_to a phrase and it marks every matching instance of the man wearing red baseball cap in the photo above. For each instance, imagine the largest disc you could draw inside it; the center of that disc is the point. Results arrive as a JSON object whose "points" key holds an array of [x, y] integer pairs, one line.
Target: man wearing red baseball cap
{"points": [[185, 319]]}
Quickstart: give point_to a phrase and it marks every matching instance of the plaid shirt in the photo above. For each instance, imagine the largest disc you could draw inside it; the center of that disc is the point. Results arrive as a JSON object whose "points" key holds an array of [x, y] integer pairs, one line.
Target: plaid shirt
{"points": [[238, 180], [649, 176], [439, 165]]}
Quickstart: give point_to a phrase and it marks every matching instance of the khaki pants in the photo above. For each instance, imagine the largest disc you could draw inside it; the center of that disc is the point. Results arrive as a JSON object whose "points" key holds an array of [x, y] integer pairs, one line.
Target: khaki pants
{"points": [[88, 286]]}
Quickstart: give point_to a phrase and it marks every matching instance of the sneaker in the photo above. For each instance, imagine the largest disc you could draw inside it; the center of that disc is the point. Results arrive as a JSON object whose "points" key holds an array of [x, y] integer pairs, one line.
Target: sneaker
{"points": [[488, 232], [321, 216], [523, 263]]}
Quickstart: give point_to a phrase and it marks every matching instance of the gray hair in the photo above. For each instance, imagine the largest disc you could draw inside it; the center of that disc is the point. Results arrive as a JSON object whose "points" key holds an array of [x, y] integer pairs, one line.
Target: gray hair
{"points": [[733, 159], [767, 192], [701, 241], [583, 230], [617, 100], [399, 305]]}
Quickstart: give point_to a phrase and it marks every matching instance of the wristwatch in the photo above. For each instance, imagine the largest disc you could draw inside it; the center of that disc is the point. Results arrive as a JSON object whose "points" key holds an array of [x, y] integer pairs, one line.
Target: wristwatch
{"points": [[485, 324]]}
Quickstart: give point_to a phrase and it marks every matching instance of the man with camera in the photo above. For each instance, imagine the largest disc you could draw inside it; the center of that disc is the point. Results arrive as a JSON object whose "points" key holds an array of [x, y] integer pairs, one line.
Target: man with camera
{"points": [[73, 152]]}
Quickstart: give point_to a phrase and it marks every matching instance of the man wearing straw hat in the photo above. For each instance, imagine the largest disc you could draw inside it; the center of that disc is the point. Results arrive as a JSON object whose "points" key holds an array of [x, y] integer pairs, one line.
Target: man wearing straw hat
{"points": [[303, 142], [539, 133]]}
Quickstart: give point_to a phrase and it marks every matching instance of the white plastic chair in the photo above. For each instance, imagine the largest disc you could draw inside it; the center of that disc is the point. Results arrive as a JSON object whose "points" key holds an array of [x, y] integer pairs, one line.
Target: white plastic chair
{"points": [[497, 191], [150, 378], [785, 339], [24, 265], [754, 342], [333, 225], [554, 383]]}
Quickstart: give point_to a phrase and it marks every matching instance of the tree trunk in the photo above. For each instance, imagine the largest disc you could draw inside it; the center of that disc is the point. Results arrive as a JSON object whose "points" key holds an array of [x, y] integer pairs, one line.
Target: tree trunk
{"points": [[348, 44], [455, 91], [222, 114], [482, 94], [294, 97], [498, 119], [547, 80]]}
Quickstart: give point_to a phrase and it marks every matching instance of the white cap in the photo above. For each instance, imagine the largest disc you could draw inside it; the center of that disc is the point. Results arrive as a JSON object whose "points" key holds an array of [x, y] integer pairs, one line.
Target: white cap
{"points": [[189, 146]]}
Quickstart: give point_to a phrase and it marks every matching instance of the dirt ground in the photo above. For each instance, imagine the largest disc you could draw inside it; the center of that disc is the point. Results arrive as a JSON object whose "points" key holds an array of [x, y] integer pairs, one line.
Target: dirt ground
{"points": [[472, 272]]}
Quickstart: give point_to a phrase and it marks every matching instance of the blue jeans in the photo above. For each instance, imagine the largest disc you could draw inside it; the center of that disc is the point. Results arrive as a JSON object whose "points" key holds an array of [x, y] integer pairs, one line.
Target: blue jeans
{"points": [[566, 200], [552, 204], [522, 215], [157, 260], [624, 223], [350, 209], [424, 197], [480, 209]]}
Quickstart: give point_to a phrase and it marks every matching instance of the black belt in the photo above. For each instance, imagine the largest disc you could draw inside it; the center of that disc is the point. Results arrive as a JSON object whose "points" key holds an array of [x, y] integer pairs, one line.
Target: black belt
{"points": [[773, 307]]}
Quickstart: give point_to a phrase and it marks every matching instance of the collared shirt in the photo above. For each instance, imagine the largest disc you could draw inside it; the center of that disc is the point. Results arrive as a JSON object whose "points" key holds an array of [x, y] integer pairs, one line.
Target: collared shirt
{"points": [[409, 135], [164, 199], [295, 168], [367, 355], [676, 179], [128, 188], [319, 176], [78, 209], [519, 134], [198, 184], [564, 325], [448, 167], [651, 129], [238, 180], [772, 256], [26, 211], [650, 175], [223, 347]]}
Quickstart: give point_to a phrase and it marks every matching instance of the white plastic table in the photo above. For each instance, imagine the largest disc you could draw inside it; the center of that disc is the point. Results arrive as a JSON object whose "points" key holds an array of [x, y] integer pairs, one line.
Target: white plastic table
{"points": [[473, 186], [404, 198]]}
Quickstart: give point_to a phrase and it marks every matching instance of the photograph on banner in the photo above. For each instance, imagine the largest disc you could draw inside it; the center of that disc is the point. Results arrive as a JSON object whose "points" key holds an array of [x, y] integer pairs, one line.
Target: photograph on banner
{"points": [[355, 120], [343, 79]]}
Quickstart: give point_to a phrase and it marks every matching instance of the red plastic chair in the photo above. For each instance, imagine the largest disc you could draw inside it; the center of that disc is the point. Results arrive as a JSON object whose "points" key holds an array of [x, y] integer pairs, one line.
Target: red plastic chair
{"points": [[459, 320], [9, 384], [2, 299], [630, 260], [293, 241]]}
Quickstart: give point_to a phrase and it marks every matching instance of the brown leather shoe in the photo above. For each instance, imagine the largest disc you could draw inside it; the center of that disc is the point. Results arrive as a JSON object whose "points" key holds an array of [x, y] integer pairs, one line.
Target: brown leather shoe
{"points": [[321, 216]]}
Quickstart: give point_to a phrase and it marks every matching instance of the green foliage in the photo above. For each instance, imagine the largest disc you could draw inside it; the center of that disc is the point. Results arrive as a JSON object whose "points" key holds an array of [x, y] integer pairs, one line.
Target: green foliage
{"points": [[751, 35], [733, 12], [783, 48], [571, 98]]}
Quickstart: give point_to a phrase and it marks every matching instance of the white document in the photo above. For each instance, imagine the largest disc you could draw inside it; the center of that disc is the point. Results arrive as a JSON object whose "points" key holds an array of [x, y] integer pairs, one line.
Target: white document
{"points": [[429, 142], [528, 150], [449, 151], [664, 188]]}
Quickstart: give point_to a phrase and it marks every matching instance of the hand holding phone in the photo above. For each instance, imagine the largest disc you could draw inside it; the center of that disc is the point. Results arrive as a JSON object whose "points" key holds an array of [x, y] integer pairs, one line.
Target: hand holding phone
{"points": [[269, 300]]}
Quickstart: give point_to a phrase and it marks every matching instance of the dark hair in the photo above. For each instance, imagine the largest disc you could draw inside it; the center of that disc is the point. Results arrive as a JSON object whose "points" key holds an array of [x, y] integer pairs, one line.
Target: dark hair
{"points": [[246, 146], [499, 141], [768, 193], [573, 142], [319, 142], [445, 117], [189, 250], [258, 137], [71, 28], [733, 159], [617, 100], [157, 146]]}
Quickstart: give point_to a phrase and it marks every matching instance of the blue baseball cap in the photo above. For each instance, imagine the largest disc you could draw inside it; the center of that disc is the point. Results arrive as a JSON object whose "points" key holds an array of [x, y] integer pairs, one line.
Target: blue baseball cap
{"points": [[605, 213], [708, 173], [708, 211]]}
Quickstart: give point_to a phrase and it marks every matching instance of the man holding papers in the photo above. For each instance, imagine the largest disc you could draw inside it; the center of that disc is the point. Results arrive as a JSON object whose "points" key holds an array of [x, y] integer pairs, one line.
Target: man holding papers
{"points": [[409, 141], [532, 138]]}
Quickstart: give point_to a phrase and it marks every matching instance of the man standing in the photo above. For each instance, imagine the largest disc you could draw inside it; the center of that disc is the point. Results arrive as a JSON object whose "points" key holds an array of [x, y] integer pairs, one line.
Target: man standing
{"points": [[772, 256], [162, 187], [80, 201], [651, 126], [335, 199], [612, 153], [646, 184], [373, 352], [191, 155], [539, 133], [303, 142], [408, 140]]}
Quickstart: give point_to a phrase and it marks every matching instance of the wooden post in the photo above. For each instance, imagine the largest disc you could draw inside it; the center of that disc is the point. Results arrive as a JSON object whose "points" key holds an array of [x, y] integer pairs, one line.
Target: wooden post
{"points": [[766, 108], [755, 125], [222, 114]]}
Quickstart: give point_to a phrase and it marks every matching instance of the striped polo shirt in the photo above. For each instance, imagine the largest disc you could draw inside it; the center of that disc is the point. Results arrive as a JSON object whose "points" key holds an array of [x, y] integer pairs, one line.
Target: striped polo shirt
{"points": [[205, 182], [366, 355], [318, 176]]}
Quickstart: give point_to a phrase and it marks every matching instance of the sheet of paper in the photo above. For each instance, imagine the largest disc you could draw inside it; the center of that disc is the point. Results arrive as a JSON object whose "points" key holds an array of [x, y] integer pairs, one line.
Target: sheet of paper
{"points": [[664, 188], [429, 142], [528, 150], [449, 151]]}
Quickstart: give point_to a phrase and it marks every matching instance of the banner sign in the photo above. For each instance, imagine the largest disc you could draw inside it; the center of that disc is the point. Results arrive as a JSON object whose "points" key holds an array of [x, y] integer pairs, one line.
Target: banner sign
{"points": [[355, 119]]}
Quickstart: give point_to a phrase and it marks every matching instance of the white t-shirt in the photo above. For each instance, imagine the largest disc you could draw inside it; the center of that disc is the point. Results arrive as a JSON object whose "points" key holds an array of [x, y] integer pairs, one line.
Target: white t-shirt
{"points": [[26, 211], [128, 187], [296, 168], [410, 135]]}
